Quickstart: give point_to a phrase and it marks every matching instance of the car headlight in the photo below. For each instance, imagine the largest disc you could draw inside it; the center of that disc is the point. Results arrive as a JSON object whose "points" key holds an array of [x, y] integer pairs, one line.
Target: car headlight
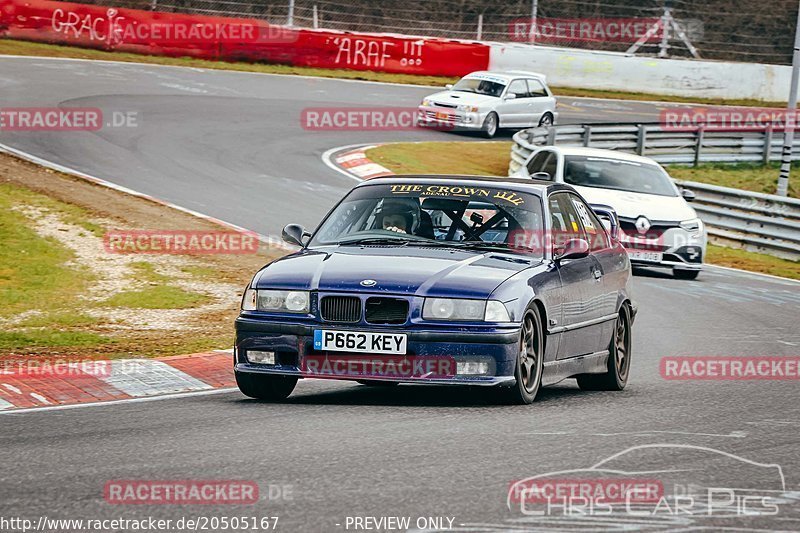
{"points": [[426, 103], [496, 312], [470, 108], [281, 301], [464, 310], [693, 226]]}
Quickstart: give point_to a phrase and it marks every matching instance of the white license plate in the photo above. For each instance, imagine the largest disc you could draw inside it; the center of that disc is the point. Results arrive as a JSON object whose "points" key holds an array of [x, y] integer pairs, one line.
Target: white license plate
{"points": [[360, 342], [655, 257]]}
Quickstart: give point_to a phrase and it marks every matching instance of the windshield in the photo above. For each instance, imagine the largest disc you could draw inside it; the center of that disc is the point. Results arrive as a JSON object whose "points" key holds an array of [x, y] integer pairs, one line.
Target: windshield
{"points": [[479, 86], [434, 214], [618, 175]]}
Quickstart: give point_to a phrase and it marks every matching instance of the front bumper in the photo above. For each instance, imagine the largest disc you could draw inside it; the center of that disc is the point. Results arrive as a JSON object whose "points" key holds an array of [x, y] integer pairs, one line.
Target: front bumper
{"points": [[449, 119], [676, 247], [293, 344]]}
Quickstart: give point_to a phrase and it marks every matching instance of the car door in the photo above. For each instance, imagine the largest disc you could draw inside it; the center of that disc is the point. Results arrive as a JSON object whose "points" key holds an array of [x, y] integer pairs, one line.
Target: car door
{"points": [[612, 264], [540, 101], [581, 282], [512, 110]]}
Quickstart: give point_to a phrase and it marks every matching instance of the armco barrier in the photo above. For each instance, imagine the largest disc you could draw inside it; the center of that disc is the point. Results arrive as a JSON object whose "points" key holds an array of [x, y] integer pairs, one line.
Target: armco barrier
{"points": [[754, 221], [207, 37], [758, 222], [693, 146]]}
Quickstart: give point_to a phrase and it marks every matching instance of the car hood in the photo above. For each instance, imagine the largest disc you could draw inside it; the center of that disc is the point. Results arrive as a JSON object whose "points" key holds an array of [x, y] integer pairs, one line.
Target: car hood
{"points": [[396, 270], [633, 205], [459, 97]]}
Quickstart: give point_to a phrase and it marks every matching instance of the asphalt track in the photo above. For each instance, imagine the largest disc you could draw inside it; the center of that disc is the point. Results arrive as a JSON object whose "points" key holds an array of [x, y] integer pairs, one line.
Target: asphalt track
{"points": [[230, 145]]}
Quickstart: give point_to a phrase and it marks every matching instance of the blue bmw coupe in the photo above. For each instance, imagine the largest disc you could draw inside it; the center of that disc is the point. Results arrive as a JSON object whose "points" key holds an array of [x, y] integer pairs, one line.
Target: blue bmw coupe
{"points": [[508, 283]]}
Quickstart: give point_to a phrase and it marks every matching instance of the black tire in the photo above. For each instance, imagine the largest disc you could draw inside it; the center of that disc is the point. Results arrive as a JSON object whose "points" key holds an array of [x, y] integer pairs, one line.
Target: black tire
{"points": [[528, 368], [685, 274], [265, 387], [490, 125], [619, 358], [546, 120], [373, 383]]}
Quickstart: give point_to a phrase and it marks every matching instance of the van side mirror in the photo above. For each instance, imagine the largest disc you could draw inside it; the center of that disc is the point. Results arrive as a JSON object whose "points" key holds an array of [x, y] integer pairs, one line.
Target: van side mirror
{"points": [[449, 86], [541, 176], [688, 195]]}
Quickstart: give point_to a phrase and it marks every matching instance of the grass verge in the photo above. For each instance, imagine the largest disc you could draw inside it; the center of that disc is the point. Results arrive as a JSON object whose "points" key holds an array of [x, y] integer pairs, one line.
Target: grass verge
{"points": [[492, 159], [32, 266], [26, 48], [65, 296], [744, 260], [746, 176], [484, 158]]}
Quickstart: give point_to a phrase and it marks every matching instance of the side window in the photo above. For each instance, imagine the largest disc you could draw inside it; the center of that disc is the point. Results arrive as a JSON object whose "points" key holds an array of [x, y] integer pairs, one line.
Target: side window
{"points": [[536, 89], [536, 164], [565, 220], [598, 240], [550, 165], [518, 87]]}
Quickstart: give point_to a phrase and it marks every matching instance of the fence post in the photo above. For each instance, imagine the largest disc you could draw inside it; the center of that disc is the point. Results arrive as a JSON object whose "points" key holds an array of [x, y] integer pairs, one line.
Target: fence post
{"points": [[641, 138], [480, 26], [767, 144], [551, 136], [699, 146], [587, 135]]}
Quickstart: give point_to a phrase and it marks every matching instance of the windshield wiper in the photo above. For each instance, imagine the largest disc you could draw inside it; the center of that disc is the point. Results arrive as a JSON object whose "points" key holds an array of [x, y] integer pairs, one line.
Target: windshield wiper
{"points": [[377, 240], [463, 244]]}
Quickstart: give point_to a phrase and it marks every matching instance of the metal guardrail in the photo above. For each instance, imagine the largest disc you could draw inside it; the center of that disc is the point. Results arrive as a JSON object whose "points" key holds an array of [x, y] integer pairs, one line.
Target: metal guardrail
{"points": [[691, 145], [743, 219]]}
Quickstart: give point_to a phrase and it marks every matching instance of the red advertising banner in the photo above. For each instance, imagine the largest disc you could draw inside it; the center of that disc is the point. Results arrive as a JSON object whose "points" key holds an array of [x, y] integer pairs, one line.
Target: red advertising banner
{"points": [[234, 39]]}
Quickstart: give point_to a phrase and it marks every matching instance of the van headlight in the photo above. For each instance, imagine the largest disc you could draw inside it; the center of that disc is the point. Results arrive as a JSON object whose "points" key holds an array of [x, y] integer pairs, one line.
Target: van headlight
{"points": [[464, 310], [693, 226], [277, 301]]}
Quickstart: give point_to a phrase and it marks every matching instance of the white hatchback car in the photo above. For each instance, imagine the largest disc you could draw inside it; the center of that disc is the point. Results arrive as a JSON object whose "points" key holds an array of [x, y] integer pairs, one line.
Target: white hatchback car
{"points": [[486, 101], [659, 228]]}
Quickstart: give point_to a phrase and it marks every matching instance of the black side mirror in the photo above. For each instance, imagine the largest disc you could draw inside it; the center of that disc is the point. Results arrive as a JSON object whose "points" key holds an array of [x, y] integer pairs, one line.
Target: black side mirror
{"points": [[688, 195], [294, 233], [573, 249]]}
